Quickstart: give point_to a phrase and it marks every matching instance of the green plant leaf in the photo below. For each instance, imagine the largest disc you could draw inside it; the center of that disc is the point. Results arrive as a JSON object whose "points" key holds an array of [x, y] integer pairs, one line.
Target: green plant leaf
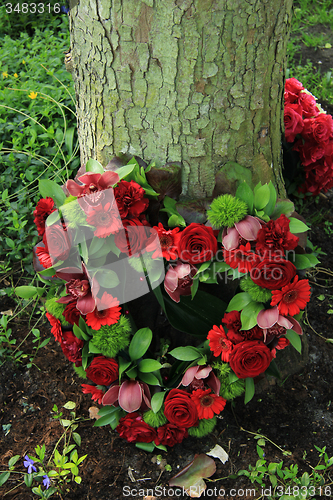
{"points": [[4, 477], [297, 226], [187, 353], [94, 166], [294, 339], [106, 278], [52, 189], [145, 446], [140, 343], [69, 140], [201, 467], [282, 207], [245, 193], [149, 378], [261, 197], [27, 292], [249, 315], [239, 301], [149, 365], [157, 401], [249, 390], [272, 199]]}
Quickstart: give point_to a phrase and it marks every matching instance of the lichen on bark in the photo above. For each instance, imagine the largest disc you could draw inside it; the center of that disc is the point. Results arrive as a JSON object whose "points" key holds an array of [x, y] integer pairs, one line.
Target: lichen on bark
{"points": [[193, 81]]}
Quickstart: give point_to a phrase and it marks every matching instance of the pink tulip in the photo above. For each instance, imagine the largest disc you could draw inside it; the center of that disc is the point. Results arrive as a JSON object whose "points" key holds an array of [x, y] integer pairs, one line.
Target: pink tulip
{"points": [[131, 395]]}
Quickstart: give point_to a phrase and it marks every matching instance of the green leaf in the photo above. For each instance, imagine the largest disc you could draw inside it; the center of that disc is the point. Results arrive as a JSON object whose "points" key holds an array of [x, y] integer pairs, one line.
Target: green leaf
{"points": [[94, 166], [48, 272], [28, 478], [297, 226], [261, 197], [146, 446], [4, 477], [123, 365], [188, 353], [69, 140], [70, 405], [106, 278], [157, 401], [53, 218], [12, 461], [93, 349], [305, 261], [26, 292], [149, 365], [10, 243], [195, 316], [124, 171], [272, 199], [77, 438], [294, 339], [245, 193], [52, 189], [149, 378], [249, 389], [106, 420], [249, 315], [140, 343], [282, 207], [239, 301]]}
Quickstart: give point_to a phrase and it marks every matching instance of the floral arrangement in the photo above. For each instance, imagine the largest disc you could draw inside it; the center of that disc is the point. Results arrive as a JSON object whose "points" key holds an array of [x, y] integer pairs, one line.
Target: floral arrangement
{"points": [[309, 129], [115, 237]]}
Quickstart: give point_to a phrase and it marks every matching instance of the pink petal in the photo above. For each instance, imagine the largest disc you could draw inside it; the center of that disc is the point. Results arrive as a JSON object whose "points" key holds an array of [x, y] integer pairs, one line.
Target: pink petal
{"points": [[108, 179], [214, 383], [231, 240], [171, 280], [267, 317], [282, 321], [296, 326], [146, 395], [111, 396], [73, 188], [182, 270], [203, 372], [86, 304], [248, 228], [90, 178], [189, 375], [130, 395], [174, 295]]}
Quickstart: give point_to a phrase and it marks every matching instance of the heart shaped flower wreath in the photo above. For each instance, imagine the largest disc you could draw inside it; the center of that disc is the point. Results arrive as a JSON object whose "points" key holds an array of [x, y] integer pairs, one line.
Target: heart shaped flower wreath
{"points": [[118, 250]]}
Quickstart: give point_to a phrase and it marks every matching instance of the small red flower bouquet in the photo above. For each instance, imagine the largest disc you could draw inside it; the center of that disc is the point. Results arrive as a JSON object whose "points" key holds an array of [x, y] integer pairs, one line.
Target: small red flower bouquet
{"points": [[112, 238]]}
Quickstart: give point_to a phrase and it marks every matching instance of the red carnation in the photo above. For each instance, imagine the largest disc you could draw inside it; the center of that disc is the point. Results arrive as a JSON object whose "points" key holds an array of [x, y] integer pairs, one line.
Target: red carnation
{"points": [[130, 199], [132, 427], [103, 370], [170, 434], [96, 394], [207, 403], [292, 298], [72, 347], [56, 326], [275, 236], [44, 208], [219, 343], [107, 312]]}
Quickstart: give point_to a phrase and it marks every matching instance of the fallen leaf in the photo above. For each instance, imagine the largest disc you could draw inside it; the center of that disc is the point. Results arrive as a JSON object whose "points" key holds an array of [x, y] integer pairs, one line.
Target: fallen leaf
{"points": [[93, 412], [191, 477], [219, 452]]}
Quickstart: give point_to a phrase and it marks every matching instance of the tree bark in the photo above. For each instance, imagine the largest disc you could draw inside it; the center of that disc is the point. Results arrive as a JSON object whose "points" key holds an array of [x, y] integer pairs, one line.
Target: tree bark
{"points": [[194, 81]]}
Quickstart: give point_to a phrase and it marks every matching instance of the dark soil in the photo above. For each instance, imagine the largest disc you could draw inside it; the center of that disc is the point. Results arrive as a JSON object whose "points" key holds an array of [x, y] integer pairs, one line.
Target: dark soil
{"points": [[296, 413]]}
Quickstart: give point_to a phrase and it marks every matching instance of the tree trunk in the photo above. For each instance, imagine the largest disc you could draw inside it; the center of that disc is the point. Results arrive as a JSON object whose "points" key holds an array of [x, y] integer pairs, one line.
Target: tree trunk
{"points": [[194, 81]]}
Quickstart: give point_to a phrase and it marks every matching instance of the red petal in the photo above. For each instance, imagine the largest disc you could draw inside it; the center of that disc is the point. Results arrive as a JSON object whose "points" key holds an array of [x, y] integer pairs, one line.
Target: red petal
{"points": [[111, 396], [130, 395]]}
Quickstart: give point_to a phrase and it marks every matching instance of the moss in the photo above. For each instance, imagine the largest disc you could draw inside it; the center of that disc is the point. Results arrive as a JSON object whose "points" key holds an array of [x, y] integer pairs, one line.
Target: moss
{"points": [[205, 427]]}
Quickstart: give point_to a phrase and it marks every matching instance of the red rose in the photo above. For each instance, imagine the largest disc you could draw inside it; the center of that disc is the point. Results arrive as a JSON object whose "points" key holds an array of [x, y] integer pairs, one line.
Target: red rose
{"points": [[276, 237], [44, 208], [71, 347], [319, 128], [197, 244], [133, 428], [250, 358], [43, 255], [273, 274], [170, 434], [134, 238], [292, 90], [293, 121], [102, 370], [72, 314], [309, 105], [310, 151], [180, 410], [130, 199], [58, 242]]}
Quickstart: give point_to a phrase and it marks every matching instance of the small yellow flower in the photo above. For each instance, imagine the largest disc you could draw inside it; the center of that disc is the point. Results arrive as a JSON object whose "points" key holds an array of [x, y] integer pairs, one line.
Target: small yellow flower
{"points": [[16, 75], [5, 74], [32, 95], [23, 62]]}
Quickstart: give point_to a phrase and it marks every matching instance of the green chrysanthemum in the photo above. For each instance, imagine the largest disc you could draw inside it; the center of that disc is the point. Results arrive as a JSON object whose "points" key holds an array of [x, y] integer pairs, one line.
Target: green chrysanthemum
{"points": [[228, 390], [205, 427], [111, 339], [80, 371], [256, 292], [56, 309], [73, 213], [155, 419], [226, 210]]}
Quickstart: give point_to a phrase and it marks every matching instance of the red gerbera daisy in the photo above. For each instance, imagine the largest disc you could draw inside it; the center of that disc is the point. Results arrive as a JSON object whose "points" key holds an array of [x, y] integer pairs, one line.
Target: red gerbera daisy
{"points": [[207, 403], [242, 258], [106, 220], [292, 298], [168, 241], [56, 327], [96, 394], [44, 208], [107, 312], [218, 343]]}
